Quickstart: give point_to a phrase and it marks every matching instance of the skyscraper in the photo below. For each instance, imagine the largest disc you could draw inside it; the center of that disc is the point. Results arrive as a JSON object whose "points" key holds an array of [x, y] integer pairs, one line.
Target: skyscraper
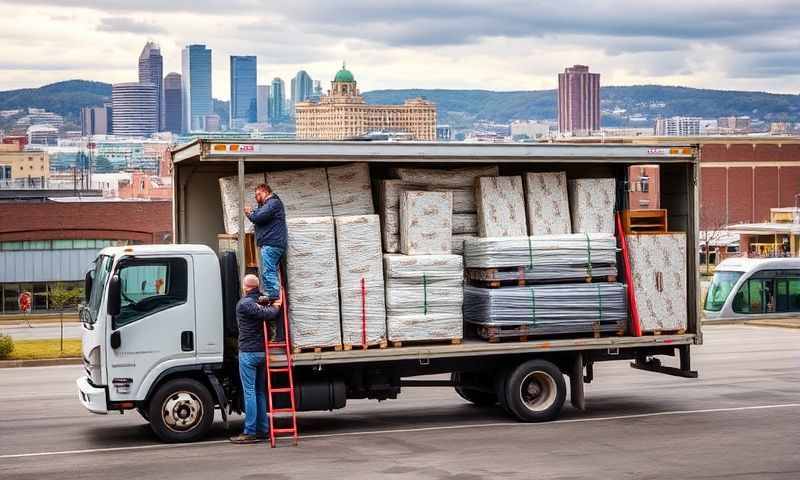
{"points": [[197, 102], [262, 103], [96, 120], [277, 98], [172, 103], [578, 101], [302, 87], [134, 109], [244, 106], [151, 70]]}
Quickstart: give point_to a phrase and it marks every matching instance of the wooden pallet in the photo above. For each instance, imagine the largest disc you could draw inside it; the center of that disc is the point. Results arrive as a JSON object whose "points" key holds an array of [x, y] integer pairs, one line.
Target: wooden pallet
{"points": [[523, 333], [357, 346], [679, 331], [645, 222], [329, 348], [415, 343], [522, 282]]}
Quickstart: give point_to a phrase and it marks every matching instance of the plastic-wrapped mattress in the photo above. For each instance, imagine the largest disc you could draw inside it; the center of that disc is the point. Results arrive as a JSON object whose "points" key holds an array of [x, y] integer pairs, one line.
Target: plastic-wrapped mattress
{"points": [[548, 309], [591, 203], [501, 207], [426, 222], [231, 209], [547, 202], [351, 190], [304, 192], [440, 177], [424, 295]]}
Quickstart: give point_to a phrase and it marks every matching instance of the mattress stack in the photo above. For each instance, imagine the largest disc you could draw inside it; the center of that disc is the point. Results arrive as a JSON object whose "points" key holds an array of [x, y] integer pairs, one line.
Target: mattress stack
{"points": [[426, 222], [361, 287], [231, 208], [312, 283], [547, 203], [592, 202], [351, 191], [424, 296], [547, 309], [304, 192], [501, 207]]}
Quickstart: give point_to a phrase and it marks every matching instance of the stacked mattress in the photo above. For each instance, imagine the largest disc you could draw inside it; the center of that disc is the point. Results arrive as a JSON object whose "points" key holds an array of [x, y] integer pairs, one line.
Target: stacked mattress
{"points": [[426, 222], [351, 191], [501, 207], [548, 309], [424, 296], [548, 203], [592, 202], [231, 208]]}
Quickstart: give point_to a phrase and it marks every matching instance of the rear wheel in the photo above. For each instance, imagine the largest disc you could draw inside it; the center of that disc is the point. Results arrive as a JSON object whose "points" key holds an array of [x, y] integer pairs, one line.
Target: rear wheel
{"points": [[535, 391], [182, 410], [473, 395]]}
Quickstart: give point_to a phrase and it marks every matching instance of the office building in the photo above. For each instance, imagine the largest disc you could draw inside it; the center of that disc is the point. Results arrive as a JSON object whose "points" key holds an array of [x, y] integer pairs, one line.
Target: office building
{"points": [[22, 167], [196, 77], [244, 106], [172, 103], [277, 101], [344, 114], [728, 125], [678, 126], [302, 87], [42, 135], [151, 70], [134, 109], [39, 116], [96, 120], [262, 103], [317, 92], [578, 101]]}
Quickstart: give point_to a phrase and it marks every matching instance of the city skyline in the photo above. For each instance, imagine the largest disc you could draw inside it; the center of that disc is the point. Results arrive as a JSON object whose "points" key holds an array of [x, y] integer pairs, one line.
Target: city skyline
{"points": [[742, 46]]}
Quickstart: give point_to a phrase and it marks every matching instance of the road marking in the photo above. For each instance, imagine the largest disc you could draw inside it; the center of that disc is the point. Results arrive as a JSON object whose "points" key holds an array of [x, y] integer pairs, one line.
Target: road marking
{"points": [[412, 430]]}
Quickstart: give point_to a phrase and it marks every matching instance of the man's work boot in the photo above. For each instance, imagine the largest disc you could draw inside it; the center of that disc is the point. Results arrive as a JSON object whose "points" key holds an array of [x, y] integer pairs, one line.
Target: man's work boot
{"points": [[244, 438]]}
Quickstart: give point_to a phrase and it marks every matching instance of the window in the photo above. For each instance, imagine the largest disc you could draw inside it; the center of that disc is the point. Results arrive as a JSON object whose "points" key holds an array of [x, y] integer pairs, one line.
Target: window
{"points": [[720, 288], [644, 183], [750, 297], [148, 286]]}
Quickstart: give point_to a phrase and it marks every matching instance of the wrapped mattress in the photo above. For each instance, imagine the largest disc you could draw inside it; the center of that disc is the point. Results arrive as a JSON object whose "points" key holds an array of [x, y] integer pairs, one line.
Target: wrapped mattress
{"points": [[461, 178], [304, 192], [426, 222], [361, 288], [424, 296], [351, 190], [548, 309], [547, 203], [501, 207], [312, 283], [231, 209], [592, 203]]}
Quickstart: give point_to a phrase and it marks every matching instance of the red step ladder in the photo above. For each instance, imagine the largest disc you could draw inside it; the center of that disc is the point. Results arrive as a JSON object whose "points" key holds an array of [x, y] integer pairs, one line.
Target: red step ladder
{"points": [[285, 387]]}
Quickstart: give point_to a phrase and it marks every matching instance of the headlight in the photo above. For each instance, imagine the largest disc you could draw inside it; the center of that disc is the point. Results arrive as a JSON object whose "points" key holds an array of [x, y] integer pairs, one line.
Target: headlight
{"points": [[92, 366]]}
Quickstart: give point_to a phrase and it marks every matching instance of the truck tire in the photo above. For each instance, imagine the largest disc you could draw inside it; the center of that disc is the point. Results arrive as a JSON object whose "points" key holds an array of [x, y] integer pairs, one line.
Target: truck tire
{"points": [[477, 397], [181, 410], [535, 391]]}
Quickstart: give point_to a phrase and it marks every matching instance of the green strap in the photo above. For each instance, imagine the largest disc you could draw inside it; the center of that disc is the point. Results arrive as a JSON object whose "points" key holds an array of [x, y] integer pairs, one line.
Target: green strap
{"points": [[424, 294], [533, 306], [589, 254], [530, 254]]}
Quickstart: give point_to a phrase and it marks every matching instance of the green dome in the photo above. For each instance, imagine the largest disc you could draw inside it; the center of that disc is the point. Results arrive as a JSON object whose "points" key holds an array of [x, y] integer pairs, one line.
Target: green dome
{"points": [[344, 75]]}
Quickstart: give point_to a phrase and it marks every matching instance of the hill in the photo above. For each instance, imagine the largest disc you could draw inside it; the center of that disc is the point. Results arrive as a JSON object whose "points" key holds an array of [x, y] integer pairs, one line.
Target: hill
{"points": [[65, 98]]}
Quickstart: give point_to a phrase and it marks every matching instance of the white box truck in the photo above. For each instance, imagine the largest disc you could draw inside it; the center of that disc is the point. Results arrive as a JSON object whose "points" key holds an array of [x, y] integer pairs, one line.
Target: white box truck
{"points": [[168, 350]]}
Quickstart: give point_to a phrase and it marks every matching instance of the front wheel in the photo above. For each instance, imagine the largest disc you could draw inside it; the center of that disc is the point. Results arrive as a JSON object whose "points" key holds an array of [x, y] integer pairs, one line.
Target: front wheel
{"points": [[535, 391], [182, 410]]}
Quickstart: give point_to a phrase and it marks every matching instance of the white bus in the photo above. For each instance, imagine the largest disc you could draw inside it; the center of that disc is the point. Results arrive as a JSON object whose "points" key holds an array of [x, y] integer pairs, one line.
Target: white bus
{"points": [[744, 288]]}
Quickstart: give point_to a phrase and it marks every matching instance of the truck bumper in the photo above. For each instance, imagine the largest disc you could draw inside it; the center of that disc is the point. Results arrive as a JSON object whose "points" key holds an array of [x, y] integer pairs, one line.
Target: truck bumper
{"points": [[93, 398]]}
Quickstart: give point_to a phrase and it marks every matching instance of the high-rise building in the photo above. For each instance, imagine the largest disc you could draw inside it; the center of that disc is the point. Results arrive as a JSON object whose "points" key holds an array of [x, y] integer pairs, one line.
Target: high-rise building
{"points": [[678, 126], [277, 99], [344, 114], [316, 93], [134, 109], [151, 70], [196, 77], [302, 87], [262, 103], [578, 101], [244, 106], [173, 114], [96, 120]]}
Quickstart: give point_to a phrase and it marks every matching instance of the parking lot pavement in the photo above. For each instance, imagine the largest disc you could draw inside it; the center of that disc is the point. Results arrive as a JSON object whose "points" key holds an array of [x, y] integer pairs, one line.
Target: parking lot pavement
{"points": [[41, 331], [739, 420]]}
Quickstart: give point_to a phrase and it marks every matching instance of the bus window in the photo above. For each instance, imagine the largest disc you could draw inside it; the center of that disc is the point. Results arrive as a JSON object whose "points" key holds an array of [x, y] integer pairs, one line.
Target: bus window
{"points": [[750, 297], [720, 289]]}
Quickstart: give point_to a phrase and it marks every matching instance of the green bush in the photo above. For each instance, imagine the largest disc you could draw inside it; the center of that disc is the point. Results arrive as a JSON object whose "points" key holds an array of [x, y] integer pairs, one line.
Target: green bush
{"points": [[6, 345]]}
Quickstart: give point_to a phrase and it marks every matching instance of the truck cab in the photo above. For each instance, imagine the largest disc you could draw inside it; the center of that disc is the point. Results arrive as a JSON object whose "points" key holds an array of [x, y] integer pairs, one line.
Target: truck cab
{"points": [[153, 314]]}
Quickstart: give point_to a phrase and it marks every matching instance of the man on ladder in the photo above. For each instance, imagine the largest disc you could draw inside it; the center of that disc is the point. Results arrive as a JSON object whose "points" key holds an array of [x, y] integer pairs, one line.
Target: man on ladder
{"points": [[251, 317]]}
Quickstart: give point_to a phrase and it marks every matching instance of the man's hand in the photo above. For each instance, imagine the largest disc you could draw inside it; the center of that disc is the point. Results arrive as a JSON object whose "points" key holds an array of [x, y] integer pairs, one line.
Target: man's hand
{"points": [[277, 303], [248, 210]]}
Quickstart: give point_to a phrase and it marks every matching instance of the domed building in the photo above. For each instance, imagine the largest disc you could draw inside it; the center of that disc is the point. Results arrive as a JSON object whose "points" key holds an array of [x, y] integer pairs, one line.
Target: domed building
{"points": [[343, 114]]}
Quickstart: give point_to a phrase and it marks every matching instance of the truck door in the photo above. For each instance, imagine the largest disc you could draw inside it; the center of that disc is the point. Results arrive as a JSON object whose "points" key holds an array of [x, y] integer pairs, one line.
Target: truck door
{"points": [[155, 329]]}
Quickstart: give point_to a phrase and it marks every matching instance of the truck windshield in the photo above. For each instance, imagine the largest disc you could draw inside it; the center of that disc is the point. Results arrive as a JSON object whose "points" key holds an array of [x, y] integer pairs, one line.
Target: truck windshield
{"points": [[102, 268], [720, 288]]}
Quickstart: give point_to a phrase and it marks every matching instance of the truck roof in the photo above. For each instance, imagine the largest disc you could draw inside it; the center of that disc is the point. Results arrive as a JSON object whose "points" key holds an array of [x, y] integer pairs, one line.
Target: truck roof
{"points": [[165, 249]]}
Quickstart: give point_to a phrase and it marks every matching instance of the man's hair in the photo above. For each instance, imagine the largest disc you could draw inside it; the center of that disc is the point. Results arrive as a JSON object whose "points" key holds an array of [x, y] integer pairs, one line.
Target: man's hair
{"points": [[264, 187]]}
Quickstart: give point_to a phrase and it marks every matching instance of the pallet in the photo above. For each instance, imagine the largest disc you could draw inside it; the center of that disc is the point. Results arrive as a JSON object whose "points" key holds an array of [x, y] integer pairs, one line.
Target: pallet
{"points": [[329, 348], [357, 346], [522, 282], [523, 333], [415, 343], [645, 222], [679, 331]]}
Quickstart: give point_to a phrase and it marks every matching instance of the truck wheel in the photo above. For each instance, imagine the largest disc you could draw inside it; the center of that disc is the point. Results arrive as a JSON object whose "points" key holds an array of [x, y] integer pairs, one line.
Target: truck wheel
{"points": [[182, 410], [535, 391], [475, 396]]}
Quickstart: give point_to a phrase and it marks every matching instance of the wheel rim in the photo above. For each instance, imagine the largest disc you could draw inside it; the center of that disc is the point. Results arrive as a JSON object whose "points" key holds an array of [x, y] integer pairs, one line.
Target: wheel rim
{"points": [[538, 391], [182, 411]]}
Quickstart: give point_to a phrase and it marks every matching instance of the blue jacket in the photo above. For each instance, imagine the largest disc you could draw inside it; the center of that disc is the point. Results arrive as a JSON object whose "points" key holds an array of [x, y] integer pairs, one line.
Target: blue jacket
{"points": [[251, 317], [270, 222]]}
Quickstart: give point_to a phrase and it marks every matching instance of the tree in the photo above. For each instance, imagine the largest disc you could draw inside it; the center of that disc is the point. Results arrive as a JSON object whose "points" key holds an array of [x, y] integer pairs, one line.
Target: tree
{"points": [[62, 298], [103, 165], [712, 229]]}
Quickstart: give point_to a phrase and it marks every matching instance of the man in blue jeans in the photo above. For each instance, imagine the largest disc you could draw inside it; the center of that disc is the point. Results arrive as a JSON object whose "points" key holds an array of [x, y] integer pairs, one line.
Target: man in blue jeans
{"points": [[252, 357], [269, 219]]}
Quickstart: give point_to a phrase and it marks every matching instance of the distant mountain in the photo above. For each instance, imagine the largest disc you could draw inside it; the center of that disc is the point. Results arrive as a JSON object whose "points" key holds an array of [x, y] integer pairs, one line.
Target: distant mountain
{"points": [[467, 106], [64, 98]]}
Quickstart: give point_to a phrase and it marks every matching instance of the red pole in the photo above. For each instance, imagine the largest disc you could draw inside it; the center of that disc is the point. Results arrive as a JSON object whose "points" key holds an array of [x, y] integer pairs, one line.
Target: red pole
{"points": [[636, 326], [363, 313]]}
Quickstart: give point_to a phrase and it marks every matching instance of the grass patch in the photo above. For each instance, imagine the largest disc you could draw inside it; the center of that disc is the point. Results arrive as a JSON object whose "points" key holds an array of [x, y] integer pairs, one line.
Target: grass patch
{"points": [[44, 349]]}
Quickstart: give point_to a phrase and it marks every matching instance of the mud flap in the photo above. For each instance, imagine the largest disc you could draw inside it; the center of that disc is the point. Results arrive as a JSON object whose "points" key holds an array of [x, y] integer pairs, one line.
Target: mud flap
{"points": [[576, 396]]}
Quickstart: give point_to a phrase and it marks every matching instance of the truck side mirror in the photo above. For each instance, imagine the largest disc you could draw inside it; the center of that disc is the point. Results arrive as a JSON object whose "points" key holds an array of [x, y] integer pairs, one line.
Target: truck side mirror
{"points": [[114, 302], [87, 286]]}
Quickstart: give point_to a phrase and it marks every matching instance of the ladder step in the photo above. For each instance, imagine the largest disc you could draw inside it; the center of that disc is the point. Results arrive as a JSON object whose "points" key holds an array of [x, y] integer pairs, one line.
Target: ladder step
{"points": [[281, 390], [279, 370], [283, 430], [276, 345], [282, 410]]}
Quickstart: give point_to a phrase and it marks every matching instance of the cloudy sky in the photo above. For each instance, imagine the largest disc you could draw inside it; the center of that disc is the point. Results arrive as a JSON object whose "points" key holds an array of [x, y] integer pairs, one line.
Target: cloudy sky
{"points": [[498, 44]]}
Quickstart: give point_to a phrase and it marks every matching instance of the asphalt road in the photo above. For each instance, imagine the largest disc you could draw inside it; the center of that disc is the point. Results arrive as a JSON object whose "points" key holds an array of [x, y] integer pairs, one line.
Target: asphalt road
{"points": [[740, 420], [38, 331]]}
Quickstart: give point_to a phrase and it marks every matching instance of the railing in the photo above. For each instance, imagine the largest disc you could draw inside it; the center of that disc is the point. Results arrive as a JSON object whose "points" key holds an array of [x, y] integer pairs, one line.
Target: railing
{"points": [[39, 183]]}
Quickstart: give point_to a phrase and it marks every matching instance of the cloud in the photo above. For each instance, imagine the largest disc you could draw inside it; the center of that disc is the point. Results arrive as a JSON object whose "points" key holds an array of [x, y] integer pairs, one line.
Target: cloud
{"points": [[127, 25]]}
